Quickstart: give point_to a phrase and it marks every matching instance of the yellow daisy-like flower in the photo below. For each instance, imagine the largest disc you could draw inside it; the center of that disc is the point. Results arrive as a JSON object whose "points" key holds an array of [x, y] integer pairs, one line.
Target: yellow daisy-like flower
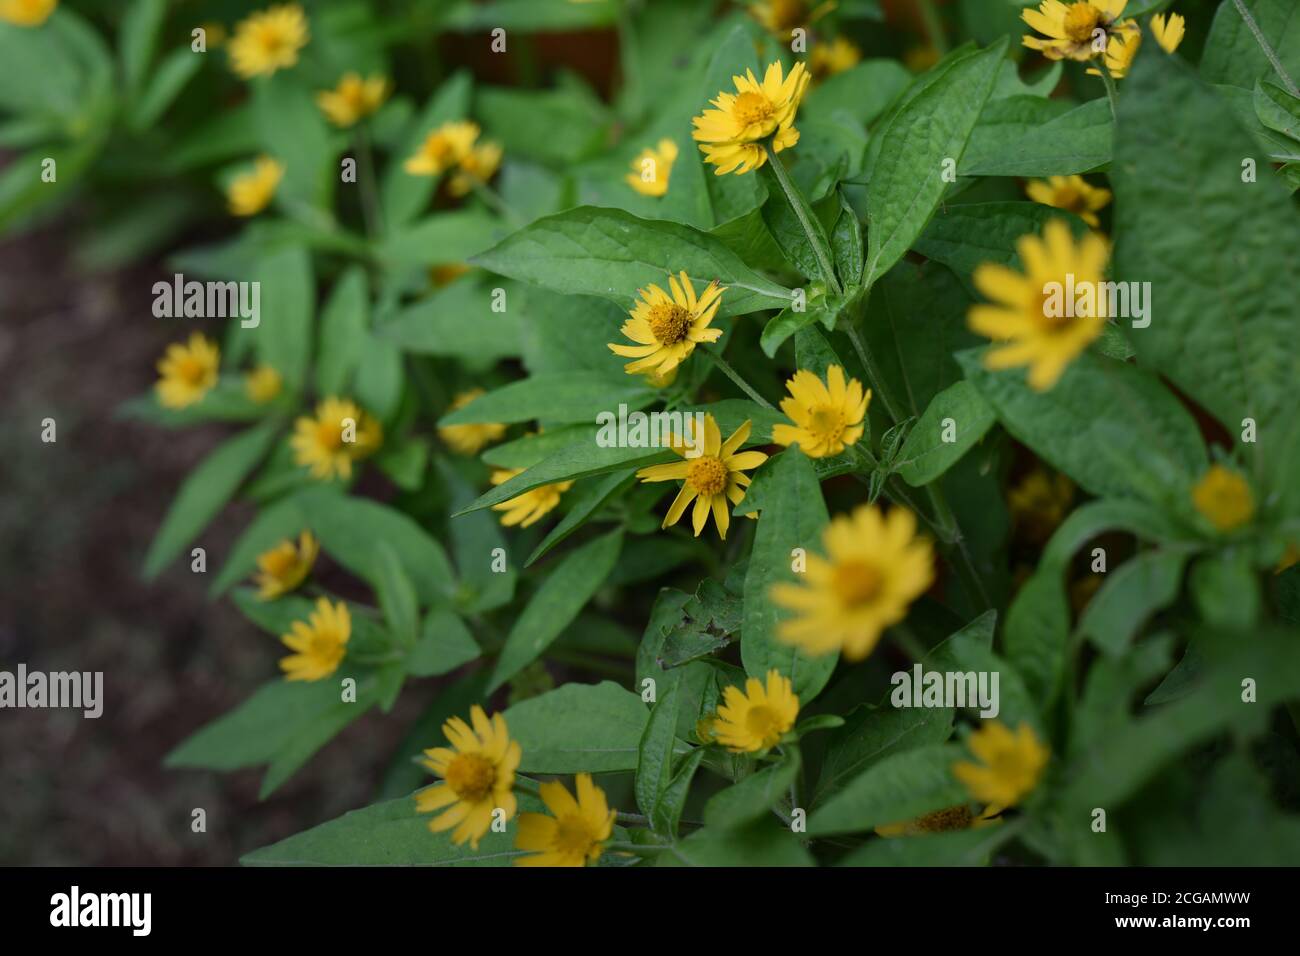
{"points": [[827, 59], [713, 477], [828, 415], [339, 434], [757, 718], [652, 167], [1168, 32], [731, 136], [1121, 50], [249, 193], [318, 643], [285, 566], [875, 567], [780, 17], [263, 384], [268, 41], [1068, 28], [187, 372], [469, 439], [1071, 193], [1010, 764], [1039, 503], [478, 166], [27, 13], [442, 149], [353, 99], [1032, 313], [1224, 498], [943, 821], [478, 777], [531, 506], [667, 328], [575, 835]]}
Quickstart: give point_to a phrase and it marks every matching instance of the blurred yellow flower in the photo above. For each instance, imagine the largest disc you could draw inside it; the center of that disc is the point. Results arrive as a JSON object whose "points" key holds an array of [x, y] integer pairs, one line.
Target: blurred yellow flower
{"points": [[1168, 33], [249, 193], [531, 506], [1039, 503], [576, 832], [478, 777], [1010, 764], [284, 567], [479, 166], [731, 136], [263, 384], [1068, 28], [1223, 497], [652, 168], [469, 439], [759, 717], [187, 372], [442, 149], [318, 643], [780, 17], [353, 99], [268, 41], [1121, 50], [339, 434], [447, 273], [1071, 193], [943, 821], [835, 56], [875, 567], [828, 415], [666, 328], [26, 13]]}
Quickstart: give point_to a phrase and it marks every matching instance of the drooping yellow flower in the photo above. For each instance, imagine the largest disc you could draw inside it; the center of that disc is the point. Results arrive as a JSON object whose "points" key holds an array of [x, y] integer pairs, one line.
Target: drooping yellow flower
{"points": [[268, 41], [652, 168], [318, 643], [442, 149], [469, 439], [828, 415], [530, 507], [731, 136], [710, 477], [339, 434], [187, 372], [353, 99], [263, 384], [1039, 503], [1121, 50], [829, 58], [1069, 28], [667, 328], [1071, 193], [478, 776], [875, 566], [1049, 314], [943, 821], [1224, 498], [1168, 33], [757, 718], [575, 834], [27, 13], [780, 17], [1010, 764], [249, 193], [479, 166], [284, 567], [660, 379]]}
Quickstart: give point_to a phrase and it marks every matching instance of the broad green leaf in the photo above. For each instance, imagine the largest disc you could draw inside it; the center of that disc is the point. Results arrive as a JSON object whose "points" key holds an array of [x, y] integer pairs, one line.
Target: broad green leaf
{"points": [[445, 643], [668, 807], [696, 680], [898, 788], [1226, 591], [287, 310], [283, 520], [754, 797], [1232, 54], [445, 237], [846, 244], [654, 766], [864, 92], [395, 591], [1023, 136], [964, 235], [1277, 109], [579, 728], [559, 397], [585, 501], [552, 126], [528, 16], [459, 322], [343, 325], [953, 422], [1129, 595], [1112, 688], [292, 131], [787, 230], [873, 733]]}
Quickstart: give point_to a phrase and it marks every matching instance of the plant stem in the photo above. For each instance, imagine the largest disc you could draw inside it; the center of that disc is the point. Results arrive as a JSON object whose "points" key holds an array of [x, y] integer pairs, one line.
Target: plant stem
{"points": [[735, 376], [1111, 93], [1267, 48], [633, 819], [803, 213], [491, 197], [370, 208], [933, 26], [877, 380], [640, 849]]}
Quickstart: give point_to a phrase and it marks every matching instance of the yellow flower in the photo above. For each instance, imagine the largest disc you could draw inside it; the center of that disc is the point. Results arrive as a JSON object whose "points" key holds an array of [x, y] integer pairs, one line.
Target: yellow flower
{"points": [[875, 566], [26, 13], [758, 718], [1121, 50], [575, 834], [1010, 764], [340, 434], [918, 59], [249, 193], [660, 379], [469, 439], [838, 55], [1068, 28], [1033, 311], [353, 99], [531, 506], [1168, 33], [285, 566], [268, 41], [442, 149], [652, 167], [732, 135], [1071, 193], [711, 478], [943, 821], [780, 17], [828, 415], [478, 776], [319, 643], [447, 273], [187, 372], [1224, 498], [1039, 503], [667, 328], [263, 384], [478, 166]]}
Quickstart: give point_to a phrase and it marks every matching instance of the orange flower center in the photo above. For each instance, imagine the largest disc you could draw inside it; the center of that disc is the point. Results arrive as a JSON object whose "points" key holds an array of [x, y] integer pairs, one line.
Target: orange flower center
{"points": [[1080, 20], [856, 582], [708, 476], [330, 435], [669, 322], [191, 370], [272, 40], [280, 561], [751, 107], [941, 821], [826, 422], [573, 835], [763, 722], [471, 776]]}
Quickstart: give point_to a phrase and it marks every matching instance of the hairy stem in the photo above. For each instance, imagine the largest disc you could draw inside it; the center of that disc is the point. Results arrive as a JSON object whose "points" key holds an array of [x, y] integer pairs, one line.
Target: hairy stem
{"points": [[1111, 93], [1267, 48], [736, 377], [803, 213]]}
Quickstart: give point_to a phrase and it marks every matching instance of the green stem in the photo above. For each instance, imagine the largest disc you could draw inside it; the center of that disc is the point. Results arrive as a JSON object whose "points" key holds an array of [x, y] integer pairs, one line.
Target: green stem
{"points": [[877, 380], [633, 819], [370, 208], [491, 197], [735, 376], [640, 849], [933, 26], [1111, 92], [1267, 48], [803, 213]]}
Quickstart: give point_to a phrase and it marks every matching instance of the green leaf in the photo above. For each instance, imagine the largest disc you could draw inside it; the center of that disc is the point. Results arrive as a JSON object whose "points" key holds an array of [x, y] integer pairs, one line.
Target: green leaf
{"points": [[1277, 109], [395, 592], [445, 644], [763, 844], [292, 130], [402, 195], [1130, 594], [1024, 136], [846, 244], [205, 492], [552, 126], [476, 541], [864, 92], [579, 728], [965, 235], [900, 787], [445, 237], [1232, 54], [789, 322], [654, 766], [1226, 590], [754, 797], [287, 309], [558, 397], [667, 811], [344, 322], [557, 602], [585, 501], [787, 229], [460, 322], [173, 74], [873, 733], [959, 848], [927, 453]]}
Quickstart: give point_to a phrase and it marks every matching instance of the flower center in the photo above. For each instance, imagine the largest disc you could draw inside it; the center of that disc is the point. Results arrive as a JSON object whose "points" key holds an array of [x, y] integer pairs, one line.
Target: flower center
{"points": [[669, 322], [763, 723], [751, 107], [951, 818], [708, 476], [279, 562], [856, 582], [271, 40], [573, 835], [1080, 20], [826, 422], [471, 776], [191, 370], [330, 435]]}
